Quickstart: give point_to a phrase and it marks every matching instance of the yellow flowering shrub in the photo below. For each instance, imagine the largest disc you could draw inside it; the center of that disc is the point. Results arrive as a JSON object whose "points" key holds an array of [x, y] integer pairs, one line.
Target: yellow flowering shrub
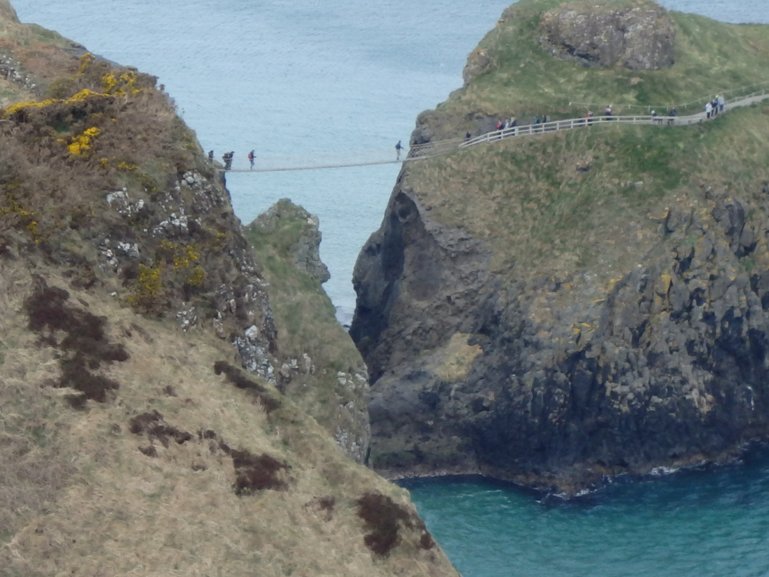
{"points": [[186, 257], [83, 95], [27, 218], [81, 144], [109, 82], [85, 62], [28, 105], [121, 85], [126, 166], [197, 276], [184, 261], [80, 96], [149, 287]]}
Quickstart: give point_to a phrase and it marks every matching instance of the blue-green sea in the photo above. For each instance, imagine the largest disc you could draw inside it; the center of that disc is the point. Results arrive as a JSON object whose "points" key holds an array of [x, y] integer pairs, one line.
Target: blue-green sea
{"points": [[710, 522], [304, 79]]}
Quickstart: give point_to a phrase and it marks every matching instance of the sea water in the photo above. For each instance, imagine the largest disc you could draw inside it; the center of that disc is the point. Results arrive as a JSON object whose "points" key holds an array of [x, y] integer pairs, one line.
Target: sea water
{"points": [[305, 82], [712, 522]]}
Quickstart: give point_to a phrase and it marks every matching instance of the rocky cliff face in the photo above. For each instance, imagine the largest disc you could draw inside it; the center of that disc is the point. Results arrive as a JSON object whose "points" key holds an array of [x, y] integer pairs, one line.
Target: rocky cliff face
{"points": [[636, 340], [321, 371], [559, 384], [158, 414], [637, 37]]}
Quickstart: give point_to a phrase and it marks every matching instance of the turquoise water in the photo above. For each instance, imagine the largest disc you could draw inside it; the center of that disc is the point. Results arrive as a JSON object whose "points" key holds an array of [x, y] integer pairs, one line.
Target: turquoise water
{"points": [[707, 523], [307, 80]]}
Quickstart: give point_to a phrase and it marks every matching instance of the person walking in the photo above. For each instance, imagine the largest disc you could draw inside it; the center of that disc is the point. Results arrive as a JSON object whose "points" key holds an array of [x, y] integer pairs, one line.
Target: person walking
{"points": [[251, 159], [398, 148]]}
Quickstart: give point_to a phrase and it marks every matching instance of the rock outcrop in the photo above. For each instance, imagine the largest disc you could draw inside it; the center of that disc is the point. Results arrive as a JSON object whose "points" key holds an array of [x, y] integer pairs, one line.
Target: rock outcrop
{"points": [[640, 36], [304, 244], [321, 370], [560, 310]]}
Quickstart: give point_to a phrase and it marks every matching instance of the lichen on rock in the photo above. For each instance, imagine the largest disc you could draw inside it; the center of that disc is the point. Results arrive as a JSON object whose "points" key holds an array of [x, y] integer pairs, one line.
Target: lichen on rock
{"points": [[639, 36]]}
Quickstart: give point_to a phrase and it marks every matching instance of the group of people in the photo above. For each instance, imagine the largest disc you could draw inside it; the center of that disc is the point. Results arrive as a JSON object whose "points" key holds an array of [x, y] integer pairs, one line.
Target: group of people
{"points": [[228, 156], [715, 107], [504, 123]]}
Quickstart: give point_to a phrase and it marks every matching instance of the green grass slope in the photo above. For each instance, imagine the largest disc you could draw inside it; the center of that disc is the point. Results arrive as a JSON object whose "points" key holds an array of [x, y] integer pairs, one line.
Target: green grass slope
{"points": [[594, 198]]}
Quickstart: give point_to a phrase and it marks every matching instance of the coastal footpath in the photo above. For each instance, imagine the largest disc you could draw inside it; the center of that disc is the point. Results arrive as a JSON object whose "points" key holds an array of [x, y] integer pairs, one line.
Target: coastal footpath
{"points": [[562, 309], [177, 396]]}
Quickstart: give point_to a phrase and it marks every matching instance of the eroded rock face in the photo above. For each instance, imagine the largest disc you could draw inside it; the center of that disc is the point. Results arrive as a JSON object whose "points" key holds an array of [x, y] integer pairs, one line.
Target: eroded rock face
{"points": [[641, 37], [306, 246], [669, 367]]}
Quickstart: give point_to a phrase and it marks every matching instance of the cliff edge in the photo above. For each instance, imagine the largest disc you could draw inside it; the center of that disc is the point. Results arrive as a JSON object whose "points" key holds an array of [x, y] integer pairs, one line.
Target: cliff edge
{"points": [[159, 413], [559, 309]]}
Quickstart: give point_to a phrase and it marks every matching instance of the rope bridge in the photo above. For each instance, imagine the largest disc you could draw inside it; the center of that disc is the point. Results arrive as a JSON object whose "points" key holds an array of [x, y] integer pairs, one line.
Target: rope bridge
{"points": [[439, 148]]}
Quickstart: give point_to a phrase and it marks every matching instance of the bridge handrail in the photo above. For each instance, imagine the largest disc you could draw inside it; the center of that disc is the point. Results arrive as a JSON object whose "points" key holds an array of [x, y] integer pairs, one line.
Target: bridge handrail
{"points": [[682, 107], [571, 123]]}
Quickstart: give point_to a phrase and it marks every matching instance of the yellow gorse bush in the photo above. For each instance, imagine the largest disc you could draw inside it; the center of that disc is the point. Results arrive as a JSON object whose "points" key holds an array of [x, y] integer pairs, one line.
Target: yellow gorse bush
{"points": [[149, 287], [81, 144], [186, 257], [26, 217], [80, 96], [27, 105], [121, 85], [85, 62]]}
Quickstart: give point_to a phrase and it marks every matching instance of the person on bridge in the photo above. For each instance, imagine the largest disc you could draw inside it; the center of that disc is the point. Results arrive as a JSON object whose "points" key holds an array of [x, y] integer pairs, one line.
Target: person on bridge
{"points": [[251, 159], [398, 148], [227, 158]]}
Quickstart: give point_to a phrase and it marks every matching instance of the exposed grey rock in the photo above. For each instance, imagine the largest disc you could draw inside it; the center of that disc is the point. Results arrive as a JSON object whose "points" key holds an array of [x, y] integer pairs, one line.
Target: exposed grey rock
{"points": [[669, 368], [305, 246], [641, 37]]}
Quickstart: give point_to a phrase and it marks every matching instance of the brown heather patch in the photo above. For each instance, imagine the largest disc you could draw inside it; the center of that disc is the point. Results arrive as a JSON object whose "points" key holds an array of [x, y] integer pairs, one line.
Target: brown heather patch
{"points": [[323, 507], [238, 378], [84, 343], [384, 518], [156, 427], [253, 473], [256, 472]]}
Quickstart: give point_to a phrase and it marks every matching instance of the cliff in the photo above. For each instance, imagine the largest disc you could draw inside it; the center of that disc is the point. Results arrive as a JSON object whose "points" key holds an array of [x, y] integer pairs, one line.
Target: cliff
{"points": [[162, 411], [560, 309]]}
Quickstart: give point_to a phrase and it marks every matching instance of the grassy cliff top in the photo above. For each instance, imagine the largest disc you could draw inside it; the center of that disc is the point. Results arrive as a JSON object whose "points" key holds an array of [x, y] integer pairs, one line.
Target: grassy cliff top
{"points": [[521, 76], [593, 199]]}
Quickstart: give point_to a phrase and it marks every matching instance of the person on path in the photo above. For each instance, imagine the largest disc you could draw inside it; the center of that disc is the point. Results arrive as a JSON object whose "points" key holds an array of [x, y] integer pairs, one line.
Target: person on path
{"points": [[721, 102], [398, 148], [211, 156], [251, 159], [708, 109]]}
